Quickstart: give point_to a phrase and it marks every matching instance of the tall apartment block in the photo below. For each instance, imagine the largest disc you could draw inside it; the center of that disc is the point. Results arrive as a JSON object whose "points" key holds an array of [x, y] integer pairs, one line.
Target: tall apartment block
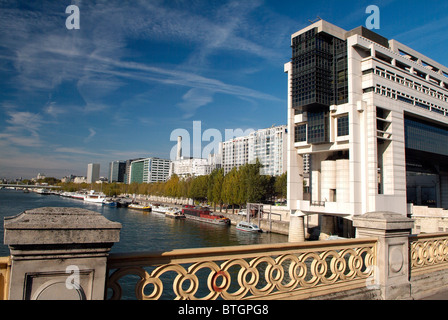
{"points": [[373, 115], [117, 171], [93, 172], [266, 145], [149, 170]]}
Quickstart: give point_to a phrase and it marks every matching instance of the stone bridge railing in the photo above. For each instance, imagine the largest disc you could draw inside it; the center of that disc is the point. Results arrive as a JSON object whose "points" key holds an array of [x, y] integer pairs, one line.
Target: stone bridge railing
{"points": [[63, 253]]}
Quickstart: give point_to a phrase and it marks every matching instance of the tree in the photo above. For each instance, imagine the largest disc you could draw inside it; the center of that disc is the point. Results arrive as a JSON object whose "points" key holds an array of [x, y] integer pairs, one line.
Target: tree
{"points": [[198, 189], [280, 186], [216, 189]]}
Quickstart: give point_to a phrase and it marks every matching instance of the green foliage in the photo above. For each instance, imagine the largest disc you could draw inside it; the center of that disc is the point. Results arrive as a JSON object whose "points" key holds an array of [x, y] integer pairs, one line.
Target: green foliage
{"points": [[237, 187]]}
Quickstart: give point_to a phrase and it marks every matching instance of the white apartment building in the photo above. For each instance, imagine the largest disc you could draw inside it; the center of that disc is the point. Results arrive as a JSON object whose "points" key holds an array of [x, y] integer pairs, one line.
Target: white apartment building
{"points": [[93, 172], [266, 145], [191, 167], [235, 153], [373, 115]]}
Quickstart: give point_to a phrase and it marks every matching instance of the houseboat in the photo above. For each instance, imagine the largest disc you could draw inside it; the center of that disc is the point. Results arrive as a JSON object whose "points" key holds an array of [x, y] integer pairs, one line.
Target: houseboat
{"points": [[204, 214]]}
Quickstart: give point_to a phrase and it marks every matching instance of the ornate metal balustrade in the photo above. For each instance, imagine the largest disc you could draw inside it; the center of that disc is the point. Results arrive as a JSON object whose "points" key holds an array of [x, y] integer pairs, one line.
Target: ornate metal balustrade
{"points": [[428, 252], [277, 271]]}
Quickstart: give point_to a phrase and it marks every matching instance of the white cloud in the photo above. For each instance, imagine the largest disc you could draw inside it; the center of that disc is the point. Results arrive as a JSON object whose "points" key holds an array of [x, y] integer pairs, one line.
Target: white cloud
{"points": [[92, 133]]}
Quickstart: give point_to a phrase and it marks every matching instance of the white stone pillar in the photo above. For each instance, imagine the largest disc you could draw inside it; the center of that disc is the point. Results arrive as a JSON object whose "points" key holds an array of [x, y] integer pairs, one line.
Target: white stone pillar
{"points": [[296, 227], [392, 266], [59, 253]]}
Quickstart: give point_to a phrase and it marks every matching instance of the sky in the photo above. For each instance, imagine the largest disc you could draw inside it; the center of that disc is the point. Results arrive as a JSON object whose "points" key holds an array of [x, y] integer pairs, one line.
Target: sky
{"points": [[136, 73]]}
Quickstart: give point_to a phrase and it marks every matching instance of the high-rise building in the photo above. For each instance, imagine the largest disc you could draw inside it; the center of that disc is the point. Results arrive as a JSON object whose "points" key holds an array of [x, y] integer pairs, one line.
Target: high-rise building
{"points": [[235, 153], [93, 172], [373, 115], [117, 171], [266, 145], [149, 170], [269, 147]]}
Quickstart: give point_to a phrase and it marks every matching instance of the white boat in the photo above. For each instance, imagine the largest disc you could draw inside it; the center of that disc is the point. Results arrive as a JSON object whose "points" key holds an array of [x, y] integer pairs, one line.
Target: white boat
{"points": [[78, 195], [175, 214], [248, 226], [95, 197], [139, 207], [41, 191], [161, 209]]}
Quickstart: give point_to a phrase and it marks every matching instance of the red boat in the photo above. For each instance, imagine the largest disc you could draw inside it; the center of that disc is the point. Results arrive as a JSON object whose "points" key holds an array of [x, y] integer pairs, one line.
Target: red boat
{"points": [[204, 214]]}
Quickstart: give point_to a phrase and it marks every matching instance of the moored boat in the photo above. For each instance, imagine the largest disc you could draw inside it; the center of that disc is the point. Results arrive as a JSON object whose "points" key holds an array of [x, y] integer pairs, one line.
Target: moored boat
{"points": [[41, 191], [138, 206], [160, 208], [175, 214], [248, 227], [95, 197], [204, 214], [109, 203]]}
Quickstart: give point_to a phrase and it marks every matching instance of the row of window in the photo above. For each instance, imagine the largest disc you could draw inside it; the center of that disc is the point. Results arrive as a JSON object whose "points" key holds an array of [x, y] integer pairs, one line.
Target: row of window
{"points": [[408, 83], [404, 97], [407, 68], [317, 130]]}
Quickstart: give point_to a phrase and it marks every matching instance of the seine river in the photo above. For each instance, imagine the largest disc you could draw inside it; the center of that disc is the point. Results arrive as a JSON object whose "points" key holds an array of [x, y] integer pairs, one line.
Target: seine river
{"points": [[140, 231]]}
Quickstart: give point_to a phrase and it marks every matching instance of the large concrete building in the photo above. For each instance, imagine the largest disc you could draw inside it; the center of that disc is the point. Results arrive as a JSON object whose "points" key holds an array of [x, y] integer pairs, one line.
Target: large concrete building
{"points": [[267, 145], [373, 115]]}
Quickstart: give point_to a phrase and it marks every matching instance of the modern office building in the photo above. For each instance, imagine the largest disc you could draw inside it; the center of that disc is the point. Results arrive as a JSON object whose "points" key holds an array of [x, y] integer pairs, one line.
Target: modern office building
{"points": [[149, 170], [266, 145], [117, 171], [373, 115], [93, 172]]}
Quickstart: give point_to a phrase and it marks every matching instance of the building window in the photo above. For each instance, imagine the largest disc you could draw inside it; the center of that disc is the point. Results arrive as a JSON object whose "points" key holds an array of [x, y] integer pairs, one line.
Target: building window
{"points": [[343, 126], [300, 133], [318, 127]]}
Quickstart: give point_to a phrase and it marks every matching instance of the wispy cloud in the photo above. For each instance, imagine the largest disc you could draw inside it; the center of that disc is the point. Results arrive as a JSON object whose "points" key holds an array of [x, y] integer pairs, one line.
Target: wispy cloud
{"points": [[92, 133]]}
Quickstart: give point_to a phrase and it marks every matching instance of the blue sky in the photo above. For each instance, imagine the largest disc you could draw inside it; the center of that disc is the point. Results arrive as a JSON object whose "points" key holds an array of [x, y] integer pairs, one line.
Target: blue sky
{"points": [[137, 70]]}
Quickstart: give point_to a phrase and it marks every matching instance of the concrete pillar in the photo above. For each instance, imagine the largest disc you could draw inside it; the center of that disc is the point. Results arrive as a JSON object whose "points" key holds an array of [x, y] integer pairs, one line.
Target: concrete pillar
{"points": [[392, 265], [326, 226], [296, 227], [59, 253]]}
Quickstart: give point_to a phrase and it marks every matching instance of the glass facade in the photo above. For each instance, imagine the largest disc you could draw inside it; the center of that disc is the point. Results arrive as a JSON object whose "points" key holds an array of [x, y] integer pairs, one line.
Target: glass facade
{"points": [[426, 137], [300, 133], [319, 79], [343, 126], [318, 123], [137, 169], [319, 69]]}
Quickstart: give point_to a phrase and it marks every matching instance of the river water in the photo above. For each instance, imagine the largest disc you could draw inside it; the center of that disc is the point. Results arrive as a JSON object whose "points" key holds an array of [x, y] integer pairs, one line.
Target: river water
{"points": [[140, 231]]}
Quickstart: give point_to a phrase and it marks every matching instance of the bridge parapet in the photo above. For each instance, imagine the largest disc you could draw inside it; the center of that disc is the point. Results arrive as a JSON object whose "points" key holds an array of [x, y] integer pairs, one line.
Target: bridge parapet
{"points": [[63, 253]]}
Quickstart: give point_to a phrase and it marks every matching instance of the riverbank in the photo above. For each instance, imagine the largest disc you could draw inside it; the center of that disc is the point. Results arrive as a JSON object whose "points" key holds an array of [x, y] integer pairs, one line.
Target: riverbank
{"points": [[275, 219]]}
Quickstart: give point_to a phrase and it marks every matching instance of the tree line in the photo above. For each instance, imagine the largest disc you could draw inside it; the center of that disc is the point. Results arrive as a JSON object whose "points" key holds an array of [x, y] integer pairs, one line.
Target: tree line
{"points": [[237, 187]]}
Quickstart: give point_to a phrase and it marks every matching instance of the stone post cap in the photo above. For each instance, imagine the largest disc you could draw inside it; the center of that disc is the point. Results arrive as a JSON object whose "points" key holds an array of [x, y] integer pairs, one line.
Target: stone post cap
{"points": [[53, 225], [383, 220]]}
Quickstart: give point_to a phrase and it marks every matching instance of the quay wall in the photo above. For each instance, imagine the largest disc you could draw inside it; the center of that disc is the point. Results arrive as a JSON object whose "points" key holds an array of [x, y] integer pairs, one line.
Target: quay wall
{"points": [[281, 227]]}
